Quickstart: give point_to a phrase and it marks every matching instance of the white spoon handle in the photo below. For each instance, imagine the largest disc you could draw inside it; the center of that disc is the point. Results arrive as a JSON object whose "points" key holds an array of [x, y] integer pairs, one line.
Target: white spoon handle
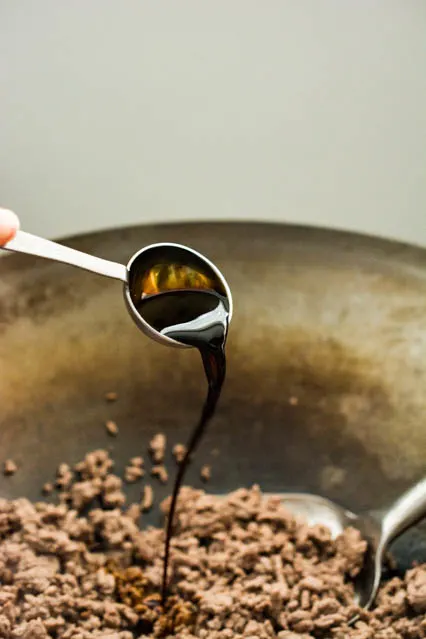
{"points": [[33, 245]]}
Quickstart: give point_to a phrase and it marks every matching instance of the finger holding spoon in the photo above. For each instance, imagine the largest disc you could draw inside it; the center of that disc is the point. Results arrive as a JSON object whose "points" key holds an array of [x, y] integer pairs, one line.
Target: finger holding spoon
{"points": [[9, 225]]}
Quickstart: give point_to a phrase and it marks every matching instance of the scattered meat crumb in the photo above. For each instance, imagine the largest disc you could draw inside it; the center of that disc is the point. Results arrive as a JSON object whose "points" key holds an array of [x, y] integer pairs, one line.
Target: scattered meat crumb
{"points": [[10, 467], [293, 401], [48, 488], [206, 473], [133, 473], [161, 473], [179, 452], [112, 396], [157, 448], [147, 498], [112, 428], [136, 461], [64, 476]]}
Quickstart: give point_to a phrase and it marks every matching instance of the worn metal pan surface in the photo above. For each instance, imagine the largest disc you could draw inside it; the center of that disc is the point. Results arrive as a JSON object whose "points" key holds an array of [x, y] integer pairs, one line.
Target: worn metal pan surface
{"points": [[326, 389]]}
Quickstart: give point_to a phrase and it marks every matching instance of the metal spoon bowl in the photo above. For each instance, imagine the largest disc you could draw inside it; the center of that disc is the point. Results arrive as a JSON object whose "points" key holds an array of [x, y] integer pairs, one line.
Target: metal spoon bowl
{"points": [[159, 268], [406, 511], [154, 269]]}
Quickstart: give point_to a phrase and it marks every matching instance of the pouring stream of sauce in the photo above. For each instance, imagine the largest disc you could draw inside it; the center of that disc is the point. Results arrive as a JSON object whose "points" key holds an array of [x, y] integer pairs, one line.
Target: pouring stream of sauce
{"points": [[195, 314]]}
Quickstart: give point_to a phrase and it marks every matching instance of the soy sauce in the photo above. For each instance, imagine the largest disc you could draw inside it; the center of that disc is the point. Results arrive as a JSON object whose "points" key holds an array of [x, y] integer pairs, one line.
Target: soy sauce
{"points": [[188, 303], [203, 323]]}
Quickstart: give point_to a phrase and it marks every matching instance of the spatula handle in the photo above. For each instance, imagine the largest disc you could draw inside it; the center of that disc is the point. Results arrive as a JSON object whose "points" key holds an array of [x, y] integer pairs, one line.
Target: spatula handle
{"points": [[407, 511]]}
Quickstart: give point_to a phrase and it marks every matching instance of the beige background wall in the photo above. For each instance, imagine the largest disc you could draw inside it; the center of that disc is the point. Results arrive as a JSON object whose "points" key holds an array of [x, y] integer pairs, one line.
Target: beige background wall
{"points": [[118, 112]]}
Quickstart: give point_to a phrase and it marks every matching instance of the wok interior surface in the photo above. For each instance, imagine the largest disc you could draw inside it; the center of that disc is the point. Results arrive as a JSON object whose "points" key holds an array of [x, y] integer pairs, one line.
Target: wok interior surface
{"points": [[326, 367]]}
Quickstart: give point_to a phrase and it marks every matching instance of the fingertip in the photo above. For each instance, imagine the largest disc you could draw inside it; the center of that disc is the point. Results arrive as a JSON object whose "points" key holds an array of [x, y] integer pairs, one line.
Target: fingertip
{"points": [[9, 225]]}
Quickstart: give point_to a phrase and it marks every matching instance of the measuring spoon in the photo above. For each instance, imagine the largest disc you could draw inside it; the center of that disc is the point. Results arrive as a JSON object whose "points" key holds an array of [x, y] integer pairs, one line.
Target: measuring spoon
{"points": [[155, 269]]}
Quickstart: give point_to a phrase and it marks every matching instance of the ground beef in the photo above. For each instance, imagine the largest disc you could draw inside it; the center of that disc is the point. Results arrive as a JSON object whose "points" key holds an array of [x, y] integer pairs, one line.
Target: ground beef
{"points": [[147, 498], [133, 473], [242, 567], [179, 452], [134, 470], [9, 467], [47, 488], [111, 428], [161, 473], [157, 448], [206, 473], [137, 461]]}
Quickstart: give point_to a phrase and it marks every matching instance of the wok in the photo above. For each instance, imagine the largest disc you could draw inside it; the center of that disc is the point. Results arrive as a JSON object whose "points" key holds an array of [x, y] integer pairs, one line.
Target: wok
{"points": [[326, 387]]}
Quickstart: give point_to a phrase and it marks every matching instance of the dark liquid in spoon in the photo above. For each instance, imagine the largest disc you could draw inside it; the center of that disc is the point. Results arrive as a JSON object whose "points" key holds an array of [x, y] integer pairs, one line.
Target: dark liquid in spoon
{"points": [[200, 319]]}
